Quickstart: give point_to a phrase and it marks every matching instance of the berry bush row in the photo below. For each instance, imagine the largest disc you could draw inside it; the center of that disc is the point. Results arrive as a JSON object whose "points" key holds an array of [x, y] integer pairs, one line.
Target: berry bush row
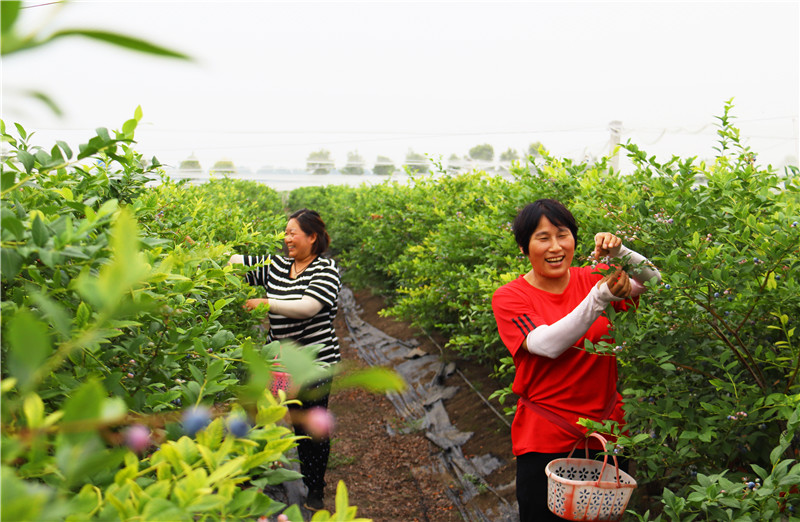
{"points": [[133, 381], [709, 363]]}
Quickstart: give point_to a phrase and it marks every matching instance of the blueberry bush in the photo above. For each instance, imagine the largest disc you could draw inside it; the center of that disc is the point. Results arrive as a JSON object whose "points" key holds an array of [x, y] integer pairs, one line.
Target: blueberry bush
{"points": [[708, 363], [133, 381]]}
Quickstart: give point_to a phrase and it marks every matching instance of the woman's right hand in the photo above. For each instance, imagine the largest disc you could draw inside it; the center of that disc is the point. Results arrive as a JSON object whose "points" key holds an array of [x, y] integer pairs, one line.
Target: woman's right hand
{"points": [[618, 283], [252, 304]]}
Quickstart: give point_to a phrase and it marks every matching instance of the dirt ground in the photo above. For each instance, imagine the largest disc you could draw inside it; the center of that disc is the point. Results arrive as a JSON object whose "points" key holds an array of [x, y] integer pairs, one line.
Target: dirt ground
{"points": [[401, 477]]}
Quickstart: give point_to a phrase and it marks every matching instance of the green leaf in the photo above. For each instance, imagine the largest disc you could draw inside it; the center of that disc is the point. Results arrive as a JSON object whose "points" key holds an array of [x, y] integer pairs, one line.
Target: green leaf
{"points": [[87, 501], [7, 179], [294, 514], [761, 472], [342, 498], [29, 346], [259, 372], [102, 133], [50, 257], [56, 156], [42, 157], [39, 231], [22, 500], [27, 160], [161, 509], [126, 270], [65, 148], [129, 126], [299, 362], [197, 374], [113, 409], [82, 315], [85, 403], [9, 11], [772, 284], [33, 407], [127, 42], [280, 475], [107, 208], [55, 312], [375, 379], [7, 384], [10, 263], [46, 100], [221, 303], [706, 436], [269, 415], [206, 503], [81, 454], [21, 131], [229, 469], [86, 149], [242, 499]]}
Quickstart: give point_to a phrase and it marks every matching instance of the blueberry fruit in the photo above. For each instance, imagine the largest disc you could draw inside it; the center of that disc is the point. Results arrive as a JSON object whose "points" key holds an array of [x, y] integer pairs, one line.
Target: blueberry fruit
{"points": [[195, 419], [238, 426]]}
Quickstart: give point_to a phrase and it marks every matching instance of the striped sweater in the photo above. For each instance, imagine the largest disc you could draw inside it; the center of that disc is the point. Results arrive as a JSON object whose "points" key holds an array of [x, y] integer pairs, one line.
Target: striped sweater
{"points": [[319, 280]]}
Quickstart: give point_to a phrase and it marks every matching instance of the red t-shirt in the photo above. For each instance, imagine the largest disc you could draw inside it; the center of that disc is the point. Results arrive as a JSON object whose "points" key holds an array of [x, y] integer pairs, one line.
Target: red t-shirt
{"points": [[575, 384]]}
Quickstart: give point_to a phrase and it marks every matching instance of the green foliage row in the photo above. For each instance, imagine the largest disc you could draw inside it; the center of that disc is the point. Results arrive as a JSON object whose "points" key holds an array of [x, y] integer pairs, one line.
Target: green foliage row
{"points": [[118, 311], [709, 363]]}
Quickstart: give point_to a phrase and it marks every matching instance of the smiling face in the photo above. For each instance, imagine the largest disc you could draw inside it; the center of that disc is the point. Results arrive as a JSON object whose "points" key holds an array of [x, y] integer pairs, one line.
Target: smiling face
{"points": [[298, 243], [550, 251]]}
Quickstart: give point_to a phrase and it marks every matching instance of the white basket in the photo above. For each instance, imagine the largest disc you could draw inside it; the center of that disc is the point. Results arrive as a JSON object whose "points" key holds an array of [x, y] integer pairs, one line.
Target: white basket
{"points": [[585, 489]]}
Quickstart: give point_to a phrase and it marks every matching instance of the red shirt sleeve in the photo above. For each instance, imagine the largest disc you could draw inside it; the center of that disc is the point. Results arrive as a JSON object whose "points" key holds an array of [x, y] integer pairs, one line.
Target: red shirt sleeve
{"points": [[515, 316]]}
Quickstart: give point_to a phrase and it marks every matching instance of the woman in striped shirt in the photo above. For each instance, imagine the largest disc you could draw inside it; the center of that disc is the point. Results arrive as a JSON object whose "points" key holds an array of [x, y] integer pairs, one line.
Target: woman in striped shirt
{"points": [[302, 293]]}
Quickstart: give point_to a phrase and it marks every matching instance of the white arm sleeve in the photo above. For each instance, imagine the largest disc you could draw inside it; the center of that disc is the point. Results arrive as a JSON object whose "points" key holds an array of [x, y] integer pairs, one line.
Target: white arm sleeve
{"points": [[642, 271], [551, 340], [302, 308]]}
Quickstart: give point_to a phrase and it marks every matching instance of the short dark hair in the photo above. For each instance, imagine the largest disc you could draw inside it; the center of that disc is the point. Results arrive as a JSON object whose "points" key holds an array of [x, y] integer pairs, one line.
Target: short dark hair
{"points": [[528, 219], [311, 223]]}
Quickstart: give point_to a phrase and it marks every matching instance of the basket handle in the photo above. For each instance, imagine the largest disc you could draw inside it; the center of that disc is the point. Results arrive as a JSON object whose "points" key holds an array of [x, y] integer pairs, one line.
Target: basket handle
{"points": [[604, 442]]}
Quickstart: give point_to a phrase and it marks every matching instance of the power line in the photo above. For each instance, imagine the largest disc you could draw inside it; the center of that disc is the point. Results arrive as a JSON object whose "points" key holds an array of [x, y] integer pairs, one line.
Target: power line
{"points": [[40, 5]]}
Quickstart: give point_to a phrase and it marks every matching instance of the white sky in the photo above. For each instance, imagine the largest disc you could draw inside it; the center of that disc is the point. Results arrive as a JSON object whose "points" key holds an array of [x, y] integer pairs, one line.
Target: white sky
{"points": [[274, 81]]}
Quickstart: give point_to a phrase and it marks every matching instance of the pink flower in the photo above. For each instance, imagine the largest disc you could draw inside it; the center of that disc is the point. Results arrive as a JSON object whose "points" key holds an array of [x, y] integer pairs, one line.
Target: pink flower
{"points": [[137, 438], [318, 422]]}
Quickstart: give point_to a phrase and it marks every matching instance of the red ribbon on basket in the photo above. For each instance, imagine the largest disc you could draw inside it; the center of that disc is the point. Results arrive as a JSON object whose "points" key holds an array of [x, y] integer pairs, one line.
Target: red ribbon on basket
{"points": [[280, 380]]}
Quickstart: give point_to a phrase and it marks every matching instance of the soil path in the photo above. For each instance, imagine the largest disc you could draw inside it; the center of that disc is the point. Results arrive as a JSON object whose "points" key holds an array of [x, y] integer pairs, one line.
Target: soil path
{"points": [[392, 469]]}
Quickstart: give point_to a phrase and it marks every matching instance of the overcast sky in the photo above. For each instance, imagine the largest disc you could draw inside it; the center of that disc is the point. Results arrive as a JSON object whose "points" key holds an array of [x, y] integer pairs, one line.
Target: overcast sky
{"points": [[274, 81]]}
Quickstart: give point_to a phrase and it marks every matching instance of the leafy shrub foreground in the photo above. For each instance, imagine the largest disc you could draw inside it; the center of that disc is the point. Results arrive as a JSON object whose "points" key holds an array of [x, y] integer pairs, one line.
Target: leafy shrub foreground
{"points": [[709, 363], [133, 381]]}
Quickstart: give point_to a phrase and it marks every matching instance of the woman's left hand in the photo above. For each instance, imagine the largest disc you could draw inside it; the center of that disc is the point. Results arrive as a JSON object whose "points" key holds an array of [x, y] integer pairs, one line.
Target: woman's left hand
{"points": [[606, 244]]}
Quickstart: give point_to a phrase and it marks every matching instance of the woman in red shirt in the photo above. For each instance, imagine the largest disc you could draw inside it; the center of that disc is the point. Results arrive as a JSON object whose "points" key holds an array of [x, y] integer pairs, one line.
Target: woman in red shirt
{"points": [[544, 317]]}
